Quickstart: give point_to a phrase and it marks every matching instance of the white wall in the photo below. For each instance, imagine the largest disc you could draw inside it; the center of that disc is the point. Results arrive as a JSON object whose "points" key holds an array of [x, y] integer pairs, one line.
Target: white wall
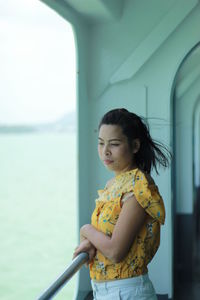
{"points": [[111, 44]]}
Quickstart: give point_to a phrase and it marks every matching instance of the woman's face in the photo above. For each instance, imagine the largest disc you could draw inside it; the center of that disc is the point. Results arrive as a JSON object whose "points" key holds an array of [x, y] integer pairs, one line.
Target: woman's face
{"points": [[114, 149]]}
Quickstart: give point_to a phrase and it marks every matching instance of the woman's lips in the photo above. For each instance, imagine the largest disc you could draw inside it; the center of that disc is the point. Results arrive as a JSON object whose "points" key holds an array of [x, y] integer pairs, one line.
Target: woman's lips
{"points": [[107, 162]]}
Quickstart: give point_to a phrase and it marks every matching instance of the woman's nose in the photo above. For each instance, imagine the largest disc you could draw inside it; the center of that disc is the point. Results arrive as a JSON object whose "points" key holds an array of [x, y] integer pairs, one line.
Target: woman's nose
{"points": [[106, 150]]}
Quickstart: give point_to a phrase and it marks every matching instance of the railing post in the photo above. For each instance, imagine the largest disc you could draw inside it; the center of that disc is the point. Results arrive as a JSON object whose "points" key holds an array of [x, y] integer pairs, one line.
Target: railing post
{"points": [[75, 265]]}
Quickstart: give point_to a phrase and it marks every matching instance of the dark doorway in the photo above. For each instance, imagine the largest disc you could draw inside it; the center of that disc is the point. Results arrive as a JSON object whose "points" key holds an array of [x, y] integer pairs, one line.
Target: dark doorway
{"points": [[186, 188]]}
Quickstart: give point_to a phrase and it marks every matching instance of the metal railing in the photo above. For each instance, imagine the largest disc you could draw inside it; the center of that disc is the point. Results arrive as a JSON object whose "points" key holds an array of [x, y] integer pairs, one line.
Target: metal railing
{"points": [[75, 265]]}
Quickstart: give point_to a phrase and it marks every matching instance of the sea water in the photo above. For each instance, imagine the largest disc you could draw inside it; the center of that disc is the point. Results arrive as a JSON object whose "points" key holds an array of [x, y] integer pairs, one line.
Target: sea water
{"points": [[38, 226]]}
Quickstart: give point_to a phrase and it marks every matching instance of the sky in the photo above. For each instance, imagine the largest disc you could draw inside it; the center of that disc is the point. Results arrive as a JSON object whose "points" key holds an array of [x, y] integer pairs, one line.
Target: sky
{"points": [[37, 63]]}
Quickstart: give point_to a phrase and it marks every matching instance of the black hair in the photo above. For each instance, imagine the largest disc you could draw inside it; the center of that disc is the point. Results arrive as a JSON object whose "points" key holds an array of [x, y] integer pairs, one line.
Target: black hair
{"points": [[151, 153]]}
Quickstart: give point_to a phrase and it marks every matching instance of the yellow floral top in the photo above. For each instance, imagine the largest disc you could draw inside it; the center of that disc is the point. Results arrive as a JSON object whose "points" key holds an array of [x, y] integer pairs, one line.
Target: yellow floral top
{"points": [[104, 218]]}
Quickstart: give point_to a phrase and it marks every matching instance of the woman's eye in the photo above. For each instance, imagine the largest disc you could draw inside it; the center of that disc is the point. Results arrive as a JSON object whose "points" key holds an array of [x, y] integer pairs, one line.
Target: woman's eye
{"points": [[115, 145], [100, 143]]}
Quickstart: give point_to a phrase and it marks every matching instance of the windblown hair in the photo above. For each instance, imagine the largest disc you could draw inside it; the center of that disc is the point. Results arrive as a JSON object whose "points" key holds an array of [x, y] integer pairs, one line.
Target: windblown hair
{"points": [[151, 153]]}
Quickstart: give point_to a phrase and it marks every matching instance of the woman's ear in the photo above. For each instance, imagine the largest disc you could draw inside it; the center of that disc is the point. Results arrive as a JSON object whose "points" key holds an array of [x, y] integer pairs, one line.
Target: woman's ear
{"points": [[136, 145]]}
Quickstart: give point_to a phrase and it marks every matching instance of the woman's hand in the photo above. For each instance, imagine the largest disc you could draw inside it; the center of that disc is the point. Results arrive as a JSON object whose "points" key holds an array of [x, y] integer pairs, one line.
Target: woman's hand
{"points": [[85, 246]]}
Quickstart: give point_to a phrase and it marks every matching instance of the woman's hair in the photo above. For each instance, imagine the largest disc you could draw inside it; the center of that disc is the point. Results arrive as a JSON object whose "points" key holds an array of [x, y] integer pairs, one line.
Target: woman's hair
{"points": [[151, 153]]}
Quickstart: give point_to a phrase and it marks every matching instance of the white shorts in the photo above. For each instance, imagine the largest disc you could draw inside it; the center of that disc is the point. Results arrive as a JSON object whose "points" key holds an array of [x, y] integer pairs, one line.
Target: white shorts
{"points": [[136, 288]]}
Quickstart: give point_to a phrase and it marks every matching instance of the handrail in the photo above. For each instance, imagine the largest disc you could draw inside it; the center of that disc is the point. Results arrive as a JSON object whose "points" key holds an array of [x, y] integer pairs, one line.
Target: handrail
{"points": [[75, 265]]}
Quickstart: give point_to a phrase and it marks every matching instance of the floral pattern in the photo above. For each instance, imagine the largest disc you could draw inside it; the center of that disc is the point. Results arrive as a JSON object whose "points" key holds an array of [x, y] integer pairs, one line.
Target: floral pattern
{"points": [[105, 216]]}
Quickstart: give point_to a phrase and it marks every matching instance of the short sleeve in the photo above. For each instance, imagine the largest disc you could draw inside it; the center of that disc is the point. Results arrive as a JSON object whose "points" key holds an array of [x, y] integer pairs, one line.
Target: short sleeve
{"points": [[148, 196]]}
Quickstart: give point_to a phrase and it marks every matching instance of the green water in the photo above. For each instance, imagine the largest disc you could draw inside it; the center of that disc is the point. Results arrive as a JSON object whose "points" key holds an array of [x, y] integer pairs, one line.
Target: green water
{"points": [[37, 213]]}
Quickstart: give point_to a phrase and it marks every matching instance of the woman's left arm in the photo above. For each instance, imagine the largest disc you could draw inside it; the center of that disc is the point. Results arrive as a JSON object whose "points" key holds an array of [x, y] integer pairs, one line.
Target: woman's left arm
{"points": [[116, 247]]}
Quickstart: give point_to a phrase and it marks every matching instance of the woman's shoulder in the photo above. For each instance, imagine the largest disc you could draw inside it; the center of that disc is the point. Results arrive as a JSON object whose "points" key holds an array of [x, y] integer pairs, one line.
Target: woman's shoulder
{"points": [[144, 177], [138, 181], [137, 176], [130, 178]]}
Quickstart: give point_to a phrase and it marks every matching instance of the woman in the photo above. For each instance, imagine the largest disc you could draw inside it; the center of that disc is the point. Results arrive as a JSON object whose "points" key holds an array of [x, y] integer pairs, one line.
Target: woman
{"points": [[124, 234]]}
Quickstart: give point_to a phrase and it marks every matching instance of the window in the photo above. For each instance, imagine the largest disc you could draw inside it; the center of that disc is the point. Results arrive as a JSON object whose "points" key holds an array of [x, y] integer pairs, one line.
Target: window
{"points": [[38, 149]]}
